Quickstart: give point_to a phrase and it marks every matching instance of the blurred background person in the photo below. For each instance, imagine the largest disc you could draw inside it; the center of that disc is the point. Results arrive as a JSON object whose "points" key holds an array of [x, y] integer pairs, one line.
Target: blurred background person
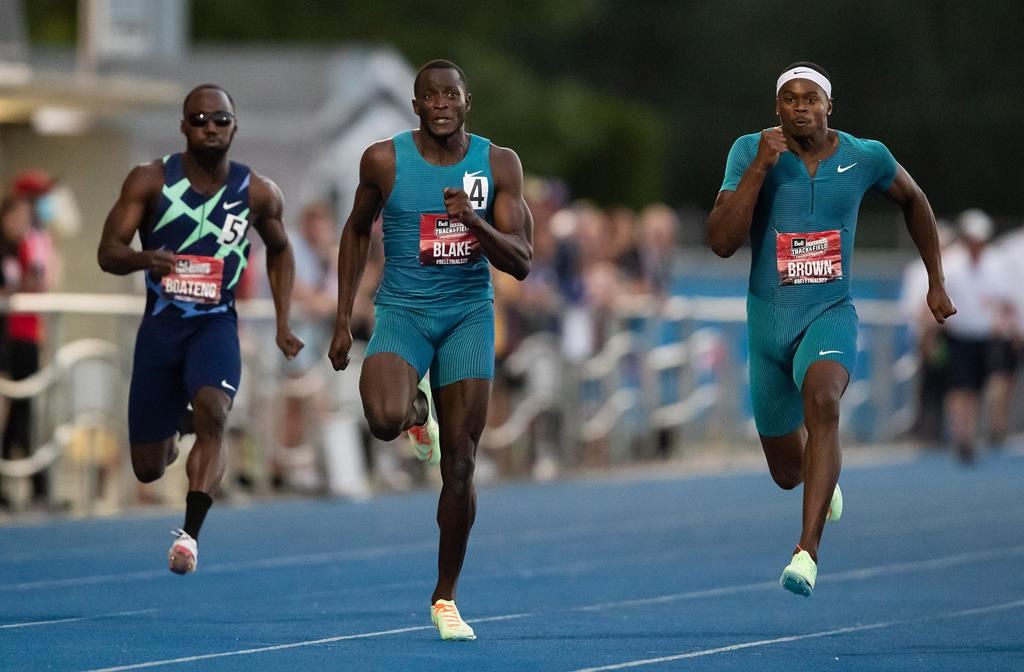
{"points": [[29, 265], [928, 340], [976, 283], [315, 297], [659, 248], [6, 221], [1011, 247], [318, 406], [1004, 356]]}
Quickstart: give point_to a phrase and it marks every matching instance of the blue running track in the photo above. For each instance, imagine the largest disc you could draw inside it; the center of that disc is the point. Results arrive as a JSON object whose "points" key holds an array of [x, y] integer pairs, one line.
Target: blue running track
{"points": [[924, 572]]}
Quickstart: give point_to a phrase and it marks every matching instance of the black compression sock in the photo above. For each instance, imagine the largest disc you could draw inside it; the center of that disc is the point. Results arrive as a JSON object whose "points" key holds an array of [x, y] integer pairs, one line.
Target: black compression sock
{"points": [[196, 505]]}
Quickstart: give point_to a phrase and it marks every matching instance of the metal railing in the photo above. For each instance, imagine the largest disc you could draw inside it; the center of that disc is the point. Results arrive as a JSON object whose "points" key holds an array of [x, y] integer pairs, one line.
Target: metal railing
{"points": [[676, 366]]}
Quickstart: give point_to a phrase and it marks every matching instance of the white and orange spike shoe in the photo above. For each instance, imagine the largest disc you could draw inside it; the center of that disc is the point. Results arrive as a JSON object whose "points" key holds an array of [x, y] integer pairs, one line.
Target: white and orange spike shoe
{"points": [[426, 438], [445, 616], [184, 553]]}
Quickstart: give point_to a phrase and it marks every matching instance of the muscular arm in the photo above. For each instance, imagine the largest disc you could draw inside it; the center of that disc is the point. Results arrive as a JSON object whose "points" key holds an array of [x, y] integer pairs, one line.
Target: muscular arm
{"points": [[267, 207], [115, 254], [730, 220], [376, 175], [376, 172], [509, 242], [917, 213]]}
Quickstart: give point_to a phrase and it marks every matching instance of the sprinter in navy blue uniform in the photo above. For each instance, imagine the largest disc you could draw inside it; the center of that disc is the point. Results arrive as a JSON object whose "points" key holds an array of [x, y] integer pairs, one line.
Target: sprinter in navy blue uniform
{"points": [[192, 212]]}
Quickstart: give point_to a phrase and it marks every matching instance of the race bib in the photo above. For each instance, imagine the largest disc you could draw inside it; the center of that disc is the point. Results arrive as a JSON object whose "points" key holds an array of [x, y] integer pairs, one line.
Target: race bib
{"points": [[446, 242], [809, 258], [195, 279]]}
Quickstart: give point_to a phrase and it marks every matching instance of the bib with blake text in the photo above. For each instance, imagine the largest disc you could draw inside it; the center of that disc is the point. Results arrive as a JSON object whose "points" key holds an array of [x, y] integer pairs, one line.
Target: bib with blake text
{"points": [[195, 279], [809, 258], [445, 241]]}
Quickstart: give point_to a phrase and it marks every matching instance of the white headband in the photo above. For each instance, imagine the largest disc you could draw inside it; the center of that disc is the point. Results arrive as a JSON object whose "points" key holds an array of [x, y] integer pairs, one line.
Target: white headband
{"points": [[805, 73]]}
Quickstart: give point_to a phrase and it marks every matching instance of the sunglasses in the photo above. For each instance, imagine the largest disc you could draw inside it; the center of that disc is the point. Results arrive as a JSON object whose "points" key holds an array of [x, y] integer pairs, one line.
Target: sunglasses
{"points": [[200, 119]]}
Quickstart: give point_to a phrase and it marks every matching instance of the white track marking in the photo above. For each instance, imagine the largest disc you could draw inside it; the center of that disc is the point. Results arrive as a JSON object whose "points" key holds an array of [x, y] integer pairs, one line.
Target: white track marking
{"points": [[852, 575], [849, 575], [656, 523], [76, 619], [293, 645], [1017, 604]]}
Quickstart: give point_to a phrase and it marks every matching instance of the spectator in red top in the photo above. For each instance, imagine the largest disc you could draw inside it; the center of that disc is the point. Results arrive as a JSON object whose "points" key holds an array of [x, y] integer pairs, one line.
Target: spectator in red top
{"points": [[29, 256]]}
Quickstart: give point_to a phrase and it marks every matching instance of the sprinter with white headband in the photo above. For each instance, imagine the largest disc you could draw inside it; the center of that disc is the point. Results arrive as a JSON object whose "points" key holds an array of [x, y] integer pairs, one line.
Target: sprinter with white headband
{"points": [[794, 190]]}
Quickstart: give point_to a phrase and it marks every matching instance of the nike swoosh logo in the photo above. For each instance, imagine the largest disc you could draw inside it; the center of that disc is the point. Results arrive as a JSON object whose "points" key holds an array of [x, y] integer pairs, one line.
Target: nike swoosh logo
{"points": [[473, 174], [829, 352], [225, 383], [843, 169], [799, 72], [228, 206]]}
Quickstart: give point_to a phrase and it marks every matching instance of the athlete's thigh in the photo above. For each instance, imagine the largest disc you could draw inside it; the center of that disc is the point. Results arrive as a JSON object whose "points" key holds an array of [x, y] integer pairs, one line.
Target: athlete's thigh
{"points": [[778, 406], [387, 381], [462, 412], [776, 401], [158, 395], [832, 336], [466, 350], [403, 332], [213, 357]]}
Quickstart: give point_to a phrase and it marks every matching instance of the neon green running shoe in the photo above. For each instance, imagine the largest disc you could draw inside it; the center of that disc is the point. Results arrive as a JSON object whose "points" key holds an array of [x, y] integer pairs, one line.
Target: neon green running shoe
{"points": [[426, 438], [835, 507], [445, 617], [799, 575]]}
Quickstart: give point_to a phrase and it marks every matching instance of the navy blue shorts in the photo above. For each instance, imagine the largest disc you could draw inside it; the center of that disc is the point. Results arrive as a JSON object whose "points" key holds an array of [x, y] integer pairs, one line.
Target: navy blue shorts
{"points": [[174, 357]]}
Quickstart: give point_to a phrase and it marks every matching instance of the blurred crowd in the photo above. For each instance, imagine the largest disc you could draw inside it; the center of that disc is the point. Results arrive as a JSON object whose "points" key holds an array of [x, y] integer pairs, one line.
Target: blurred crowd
{"points": [[588, 262], [32, 209], [969, 365]]}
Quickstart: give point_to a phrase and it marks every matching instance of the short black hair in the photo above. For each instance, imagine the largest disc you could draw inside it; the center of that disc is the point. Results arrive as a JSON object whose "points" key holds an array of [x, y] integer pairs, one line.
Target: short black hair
{"points": [[807, 64], [202, 87], [440, 64]]}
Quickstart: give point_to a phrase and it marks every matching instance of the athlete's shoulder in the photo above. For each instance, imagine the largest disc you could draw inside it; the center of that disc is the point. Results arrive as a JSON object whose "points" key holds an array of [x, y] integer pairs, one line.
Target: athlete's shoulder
{"points": [[748, 139], [865, 145], [504, 157], [381, 150], [378, 163], [506, 167], [744, 148], [264, 194], [741, 154], [149, 170], [145, 178]]}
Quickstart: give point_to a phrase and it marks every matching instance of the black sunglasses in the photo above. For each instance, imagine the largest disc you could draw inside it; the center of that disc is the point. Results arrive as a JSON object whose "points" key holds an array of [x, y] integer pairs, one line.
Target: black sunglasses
{"points": [[200, 119]]}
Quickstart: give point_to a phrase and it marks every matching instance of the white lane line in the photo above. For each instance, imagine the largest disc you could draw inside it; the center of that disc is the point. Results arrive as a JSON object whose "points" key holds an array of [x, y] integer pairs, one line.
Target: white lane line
{"points": [[293, 645], [54, 621], [656, 523], [227, 567], [1017, 604], [849, 575], [853, 575]]}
